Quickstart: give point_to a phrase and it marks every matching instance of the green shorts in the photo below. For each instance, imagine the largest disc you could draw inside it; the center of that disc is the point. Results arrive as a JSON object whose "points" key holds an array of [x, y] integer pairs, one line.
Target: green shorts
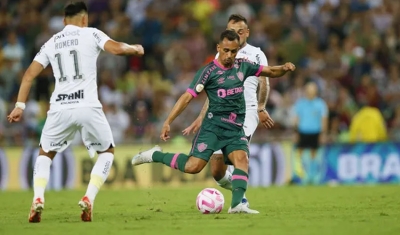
{"points": [[211, 138]]}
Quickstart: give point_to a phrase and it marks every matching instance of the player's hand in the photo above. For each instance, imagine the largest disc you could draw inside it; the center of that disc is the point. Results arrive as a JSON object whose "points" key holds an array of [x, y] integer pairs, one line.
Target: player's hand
{"points": [[194, 127], [265, 119], [288, 67], [15, 115], [139, 49], [165, 132]]}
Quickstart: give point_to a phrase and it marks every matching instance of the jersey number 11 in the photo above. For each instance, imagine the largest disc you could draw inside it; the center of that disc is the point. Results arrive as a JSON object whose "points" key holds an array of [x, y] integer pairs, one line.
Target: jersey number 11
{"points": [[62, 77]]}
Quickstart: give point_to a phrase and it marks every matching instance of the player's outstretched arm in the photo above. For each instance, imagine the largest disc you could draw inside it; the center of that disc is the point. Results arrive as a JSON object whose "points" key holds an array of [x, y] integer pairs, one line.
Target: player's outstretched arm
{"points": [[179, 106], [277, 71], [195, 126], [121, 48], [30, 74]]}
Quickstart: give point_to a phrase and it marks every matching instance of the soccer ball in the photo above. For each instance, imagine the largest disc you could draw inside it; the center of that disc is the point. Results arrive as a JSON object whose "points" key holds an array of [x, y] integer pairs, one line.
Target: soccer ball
{"points": [[210, 201]]}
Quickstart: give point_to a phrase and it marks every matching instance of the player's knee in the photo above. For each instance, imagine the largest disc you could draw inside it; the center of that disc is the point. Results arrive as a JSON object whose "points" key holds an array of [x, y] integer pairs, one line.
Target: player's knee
{"points": [[218, 167], [194, 165], [242, 160], [109, 150], [217, 173]]}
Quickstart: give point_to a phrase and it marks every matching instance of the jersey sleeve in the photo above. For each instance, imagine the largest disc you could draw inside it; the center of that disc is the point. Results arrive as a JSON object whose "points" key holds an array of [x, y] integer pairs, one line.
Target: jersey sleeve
{"points": [[41, 57], [262, 58], [100, 38], [251, 68], [200, 81]]}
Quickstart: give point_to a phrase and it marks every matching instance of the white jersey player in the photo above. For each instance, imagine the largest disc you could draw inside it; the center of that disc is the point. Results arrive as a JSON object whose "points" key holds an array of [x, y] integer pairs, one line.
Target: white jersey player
{"points": [[255, 108], [74, 104]]}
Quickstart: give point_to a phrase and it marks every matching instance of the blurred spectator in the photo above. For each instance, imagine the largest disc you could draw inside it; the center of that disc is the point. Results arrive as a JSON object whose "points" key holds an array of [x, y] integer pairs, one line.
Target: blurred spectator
{"points": [[284, 114], [14, 51], [350, 49], [368, 126], [118, 119]]}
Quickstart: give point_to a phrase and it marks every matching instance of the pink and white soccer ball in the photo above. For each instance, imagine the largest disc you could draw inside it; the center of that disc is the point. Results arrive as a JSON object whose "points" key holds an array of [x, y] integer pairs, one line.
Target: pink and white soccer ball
{"points": [[210, 201]]}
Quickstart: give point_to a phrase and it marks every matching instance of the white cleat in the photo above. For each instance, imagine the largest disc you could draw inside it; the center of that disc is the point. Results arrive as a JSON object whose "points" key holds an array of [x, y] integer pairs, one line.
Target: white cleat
{"points": [[242, 208], [146, 156]]}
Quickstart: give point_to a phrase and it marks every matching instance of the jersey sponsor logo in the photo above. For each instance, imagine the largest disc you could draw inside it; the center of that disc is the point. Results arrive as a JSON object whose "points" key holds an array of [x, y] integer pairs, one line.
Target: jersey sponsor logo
{"points": [[208, 73], [232, 116], [67, 34], [221, 80], [52, 144], [201, 147], [258, 59], [240, 75], [78, 95], [220, 72], [97, 37], [210, 115], [222, 93], [231, 77], [199, 87]]}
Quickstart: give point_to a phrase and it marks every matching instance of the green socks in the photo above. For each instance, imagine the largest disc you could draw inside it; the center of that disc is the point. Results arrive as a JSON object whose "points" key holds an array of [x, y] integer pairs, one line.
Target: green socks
{"points": [[173, 160], [239, 186]]}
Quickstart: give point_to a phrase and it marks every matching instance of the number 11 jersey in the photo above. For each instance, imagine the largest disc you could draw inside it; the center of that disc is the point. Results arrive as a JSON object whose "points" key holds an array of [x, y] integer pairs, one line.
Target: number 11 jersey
{"points": [[73, 54]]}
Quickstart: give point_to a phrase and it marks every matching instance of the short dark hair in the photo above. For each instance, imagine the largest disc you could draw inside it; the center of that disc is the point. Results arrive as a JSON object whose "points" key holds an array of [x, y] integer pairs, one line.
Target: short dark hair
{"points": [[237, 18], [74, 8], [230, 35]]}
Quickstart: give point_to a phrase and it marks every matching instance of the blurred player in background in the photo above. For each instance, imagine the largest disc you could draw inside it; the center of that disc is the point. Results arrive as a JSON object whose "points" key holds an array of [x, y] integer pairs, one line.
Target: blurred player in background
{"points": [[74, 104], [255, 108], [222, 80]]}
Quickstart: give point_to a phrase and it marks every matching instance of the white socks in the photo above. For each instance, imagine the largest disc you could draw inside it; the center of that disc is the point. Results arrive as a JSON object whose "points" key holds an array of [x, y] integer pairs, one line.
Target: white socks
{"points": [[99, 174], [226, 181], [41, 175]]}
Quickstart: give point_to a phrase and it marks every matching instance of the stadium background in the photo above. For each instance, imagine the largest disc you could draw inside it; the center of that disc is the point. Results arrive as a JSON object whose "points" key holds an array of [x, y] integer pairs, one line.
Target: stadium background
{"points": [[350, 48]]}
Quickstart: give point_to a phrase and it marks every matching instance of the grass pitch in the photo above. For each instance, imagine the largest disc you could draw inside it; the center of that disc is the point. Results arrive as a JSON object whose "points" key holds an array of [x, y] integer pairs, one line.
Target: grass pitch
{"points": [[164, 211]]}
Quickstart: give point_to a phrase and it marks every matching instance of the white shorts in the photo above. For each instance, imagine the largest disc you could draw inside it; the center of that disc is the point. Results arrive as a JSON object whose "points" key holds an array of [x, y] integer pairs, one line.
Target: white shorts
{"points": [[61, 126], [250, 125]]}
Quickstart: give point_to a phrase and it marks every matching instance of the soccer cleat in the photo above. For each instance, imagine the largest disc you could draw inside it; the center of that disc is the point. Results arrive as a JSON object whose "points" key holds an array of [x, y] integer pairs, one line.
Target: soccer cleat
{"points": [[36, 211], [146, 156], [242, 208], [86, 207], [245, 202]]}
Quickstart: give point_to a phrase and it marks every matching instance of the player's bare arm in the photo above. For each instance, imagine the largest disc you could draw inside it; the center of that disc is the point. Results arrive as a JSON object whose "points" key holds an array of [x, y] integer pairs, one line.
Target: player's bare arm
{"points": [[120, 48], [277, 71], [178, 108], [195, 126], [263, 93], [31, 73]]}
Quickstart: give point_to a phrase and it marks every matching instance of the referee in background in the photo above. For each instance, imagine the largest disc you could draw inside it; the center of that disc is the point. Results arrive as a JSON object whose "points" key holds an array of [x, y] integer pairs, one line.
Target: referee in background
{"points": [[311, 121]]}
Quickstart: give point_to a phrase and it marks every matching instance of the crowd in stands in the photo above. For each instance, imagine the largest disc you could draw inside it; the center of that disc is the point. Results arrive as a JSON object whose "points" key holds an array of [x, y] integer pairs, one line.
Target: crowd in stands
{"points": [[350, 48]]}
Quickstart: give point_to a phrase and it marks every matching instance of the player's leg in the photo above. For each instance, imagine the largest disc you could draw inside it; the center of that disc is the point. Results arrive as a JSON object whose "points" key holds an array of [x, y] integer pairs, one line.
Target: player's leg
{"points": [[97, 137], [240, 160], [236, 153], [202, 148], [219, 171], [56, 136], [313, 168], [185, 163]]}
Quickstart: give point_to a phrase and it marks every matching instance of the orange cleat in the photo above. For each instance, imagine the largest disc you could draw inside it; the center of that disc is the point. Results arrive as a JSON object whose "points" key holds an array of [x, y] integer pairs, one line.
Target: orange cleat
{"points": [[36, 211], [86, 207]]}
